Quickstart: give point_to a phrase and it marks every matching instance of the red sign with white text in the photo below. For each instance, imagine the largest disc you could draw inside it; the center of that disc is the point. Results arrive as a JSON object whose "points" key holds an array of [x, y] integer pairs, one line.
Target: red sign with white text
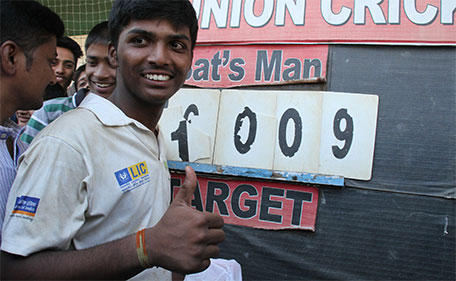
{"points": [[225, 66], [265, 205], [325, 21]]}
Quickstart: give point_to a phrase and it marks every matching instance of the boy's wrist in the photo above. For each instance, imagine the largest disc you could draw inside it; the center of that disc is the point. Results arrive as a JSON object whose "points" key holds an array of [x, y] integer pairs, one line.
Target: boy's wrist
{"points": [[141, 249]]}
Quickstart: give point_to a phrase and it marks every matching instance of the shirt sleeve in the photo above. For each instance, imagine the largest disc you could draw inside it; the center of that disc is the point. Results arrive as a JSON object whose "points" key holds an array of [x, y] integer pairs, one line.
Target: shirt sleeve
{"points": [[37, 122], [48, 199]]}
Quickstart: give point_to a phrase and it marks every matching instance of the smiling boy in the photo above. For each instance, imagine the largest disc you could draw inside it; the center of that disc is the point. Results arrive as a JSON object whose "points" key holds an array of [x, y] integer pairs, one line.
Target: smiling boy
{"points": [[101, 75], [101, 208], [64, 66]]}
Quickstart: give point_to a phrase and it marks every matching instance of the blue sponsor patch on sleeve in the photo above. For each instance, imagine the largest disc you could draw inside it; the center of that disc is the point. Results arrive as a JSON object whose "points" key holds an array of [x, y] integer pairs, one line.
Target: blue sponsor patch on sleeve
{"points": [[26, 205]]}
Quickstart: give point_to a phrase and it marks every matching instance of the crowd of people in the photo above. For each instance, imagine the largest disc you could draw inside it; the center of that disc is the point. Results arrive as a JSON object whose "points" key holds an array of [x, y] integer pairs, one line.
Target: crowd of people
{"points": [[98, 69], [85, 186]]}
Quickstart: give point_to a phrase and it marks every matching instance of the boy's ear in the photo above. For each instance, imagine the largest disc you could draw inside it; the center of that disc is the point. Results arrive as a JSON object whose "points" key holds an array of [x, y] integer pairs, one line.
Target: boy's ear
{"points": [[112, 55], [8, 61]]}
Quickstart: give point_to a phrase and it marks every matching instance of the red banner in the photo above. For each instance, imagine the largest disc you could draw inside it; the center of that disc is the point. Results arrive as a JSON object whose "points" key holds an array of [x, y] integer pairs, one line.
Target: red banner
{"points": [[325, 21], [233, 65], [266, 205]]}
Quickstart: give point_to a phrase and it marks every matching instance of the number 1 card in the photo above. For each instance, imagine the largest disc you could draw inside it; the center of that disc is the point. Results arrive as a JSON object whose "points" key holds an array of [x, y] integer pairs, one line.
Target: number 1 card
{"points": [[189, 124]]}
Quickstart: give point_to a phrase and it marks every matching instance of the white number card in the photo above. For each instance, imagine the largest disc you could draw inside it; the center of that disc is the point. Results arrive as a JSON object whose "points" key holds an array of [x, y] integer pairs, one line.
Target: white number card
{"points": [[298, 131]]}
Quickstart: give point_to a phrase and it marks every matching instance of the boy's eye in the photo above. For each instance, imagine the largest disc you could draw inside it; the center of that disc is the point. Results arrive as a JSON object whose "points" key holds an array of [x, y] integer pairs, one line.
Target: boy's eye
{"points": [[178, 45], [139, 41], [69, 66], [91, 63]]}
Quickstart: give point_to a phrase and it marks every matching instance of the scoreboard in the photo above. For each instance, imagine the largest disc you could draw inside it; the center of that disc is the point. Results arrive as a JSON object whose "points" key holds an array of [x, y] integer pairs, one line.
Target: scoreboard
{"points": [[316, 132]]}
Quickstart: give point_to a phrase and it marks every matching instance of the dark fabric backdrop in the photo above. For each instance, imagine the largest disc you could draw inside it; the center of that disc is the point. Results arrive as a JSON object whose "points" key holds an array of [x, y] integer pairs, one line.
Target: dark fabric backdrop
{"points": [[401, 224]]}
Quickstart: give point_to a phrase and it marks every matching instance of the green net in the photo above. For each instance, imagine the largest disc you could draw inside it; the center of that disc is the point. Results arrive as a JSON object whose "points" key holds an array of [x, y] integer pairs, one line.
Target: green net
{"points": [[80, 16]]}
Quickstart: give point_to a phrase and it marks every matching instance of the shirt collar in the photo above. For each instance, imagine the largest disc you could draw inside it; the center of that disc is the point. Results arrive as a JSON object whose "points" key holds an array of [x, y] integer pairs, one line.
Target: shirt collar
{"points": [[10, 128], [108, 113]]}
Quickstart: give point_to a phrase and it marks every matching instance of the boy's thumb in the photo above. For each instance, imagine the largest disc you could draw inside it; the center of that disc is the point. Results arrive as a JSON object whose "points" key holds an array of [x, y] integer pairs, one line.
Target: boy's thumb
{"points": [[185, 194]]}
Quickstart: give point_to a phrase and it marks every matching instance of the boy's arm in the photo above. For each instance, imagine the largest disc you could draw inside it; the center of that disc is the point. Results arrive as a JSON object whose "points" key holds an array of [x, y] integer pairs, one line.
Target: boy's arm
{"points": [[42, 117], [183, 241], [114, 260]]}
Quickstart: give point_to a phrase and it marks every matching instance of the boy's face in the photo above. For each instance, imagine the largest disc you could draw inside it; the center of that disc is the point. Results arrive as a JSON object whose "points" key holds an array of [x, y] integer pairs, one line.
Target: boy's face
{"points": [[153, 59], [101, 75], [32, 81], [82, 82], [23, 116], [64, 66]]}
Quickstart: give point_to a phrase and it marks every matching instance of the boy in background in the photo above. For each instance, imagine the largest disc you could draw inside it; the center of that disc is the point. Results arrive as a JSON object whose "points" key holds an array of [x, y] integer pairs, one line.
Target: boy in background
{"points": [[23, 116], [64, 66], [80, 78], [97, 69]]}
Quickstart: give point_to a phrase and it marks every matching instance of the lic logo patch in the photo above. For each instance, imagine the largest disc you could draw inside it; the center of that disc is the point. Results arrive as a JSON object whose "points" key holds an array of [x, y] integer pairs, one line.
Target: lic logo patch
{"points": [[132, 177]]}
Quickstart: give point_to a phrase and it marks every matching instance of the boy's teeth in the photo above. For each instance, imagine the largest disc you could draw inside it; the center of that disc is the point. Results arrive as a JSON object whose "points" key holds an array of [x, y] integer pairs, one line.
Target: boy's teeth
{"points": [[103, 85], [157, 77]]}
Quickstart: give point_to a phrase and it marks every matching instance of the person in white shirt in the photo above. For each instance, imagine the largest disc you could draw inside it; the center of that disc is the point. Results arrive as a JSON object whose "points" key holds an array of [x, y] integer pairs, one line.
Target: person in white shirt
{"points": [[98, 206]]}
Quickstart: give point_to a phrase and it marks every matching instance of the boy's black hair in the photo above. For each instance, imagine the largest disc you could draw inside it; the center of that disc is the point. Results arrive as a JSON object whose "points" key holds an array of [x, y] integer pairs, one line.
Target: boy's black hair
{"points": [[73, 46], [99, 34], [29, 24], [180, 13]]}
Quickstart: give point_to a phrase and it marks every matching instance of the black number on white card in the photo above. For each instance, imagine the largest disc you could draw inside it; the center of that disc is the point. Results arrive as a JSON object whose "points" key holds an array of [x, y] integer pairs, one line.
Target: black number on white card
{"points": [[345, 135], [180, 135], [243, 148], [290, 114], [342, 133]]}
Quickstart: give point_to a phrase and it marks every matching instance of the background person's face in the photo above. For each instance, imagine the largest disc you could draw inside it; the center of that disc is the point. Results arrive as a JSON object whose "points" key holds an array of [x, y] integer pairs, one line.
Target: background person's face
{"points": [[35, 79], [64, 67], [23, 116], [82, 82], [100, 74]]}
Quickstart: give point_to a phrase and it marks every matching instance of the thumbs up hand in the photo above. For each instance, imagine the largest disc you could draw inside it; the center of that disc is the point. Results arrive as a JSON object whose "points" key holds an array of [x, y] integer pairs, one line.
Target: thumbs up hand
{"points": [[184, 239], [185, 194]]}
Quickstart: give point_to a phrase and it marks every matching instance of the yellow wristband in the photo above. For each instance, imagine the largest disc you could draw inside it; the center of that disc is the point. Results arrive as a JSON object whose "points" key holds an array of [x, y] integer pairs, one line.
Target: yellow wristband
{"points": [[141, 249]]}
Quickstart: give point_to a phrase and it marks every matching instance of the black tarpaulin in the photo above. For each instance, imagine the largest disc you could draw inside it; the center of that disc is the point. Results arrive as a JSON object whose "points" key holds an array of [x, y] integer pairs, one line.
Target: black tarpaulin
{"points": [[360, 235], [401, 224], [416, 131]]}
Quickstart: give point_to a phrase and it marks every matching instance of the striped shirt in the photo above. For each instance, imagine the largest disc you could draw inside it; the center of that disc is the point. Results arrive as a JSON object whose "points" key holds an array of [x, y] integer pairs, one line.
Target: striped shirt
{"points": [[50, 111], [8, 165]]}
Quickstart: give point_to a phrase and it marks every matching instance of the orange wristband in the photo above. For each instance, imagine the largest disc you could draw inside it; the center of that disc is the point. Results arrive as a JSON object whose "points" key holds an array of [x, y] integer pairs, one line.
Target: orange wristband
{"points": [[141, 249]]}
